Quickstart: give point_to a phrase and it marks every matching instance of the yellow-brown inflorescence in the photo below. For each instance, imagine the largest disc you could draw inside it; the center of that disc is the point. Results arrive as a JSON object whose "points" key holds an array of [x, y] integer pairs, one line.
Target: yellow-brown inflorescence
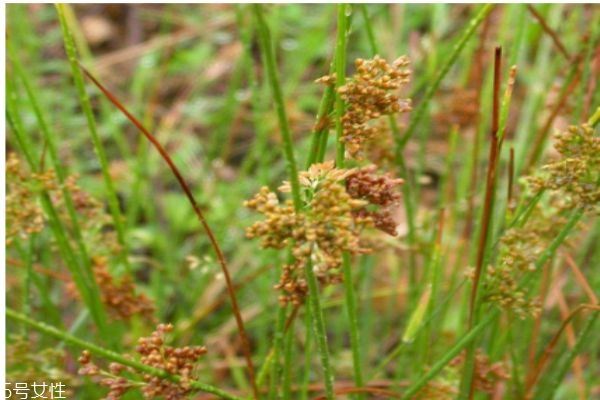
{"points": [[370, 94], [333, 215], [24, 215], [519, 250], [326, 227], [575, 176], [153, 352]]}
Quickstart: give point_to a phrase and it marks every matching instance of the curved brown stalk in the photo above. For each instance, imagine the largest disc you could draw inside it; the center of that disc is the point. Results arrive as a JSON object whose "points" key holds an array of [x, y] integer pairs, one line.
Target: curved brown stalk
{"points": [[213, 241]]}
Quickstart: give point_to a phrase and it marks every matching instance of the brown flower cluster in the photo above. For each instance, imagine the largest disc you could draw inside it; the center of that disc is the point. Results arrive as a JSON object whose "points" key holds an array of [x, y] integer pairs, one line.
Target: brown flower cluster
{"points": [[380, 191], [120, 295], [24, 215], [153, 352], [328, 226], [369, 95], [519, 249], [576, 175], [487, 375]]}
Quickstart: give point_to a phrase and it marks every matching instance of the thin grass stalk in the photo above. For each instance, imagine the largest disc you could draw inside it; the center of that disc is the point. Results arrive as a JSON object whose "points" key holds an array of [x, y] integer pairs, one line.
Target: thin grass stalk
{"points": [[111, 355], [273, 78], [494, 313], [319, 327], [277, 347], [351, 308], [490, 185], [49, 144], [446, 65], [551, 32], [511, 176], [320, 133], [113, 201], [395, 353], [192, 200], [340, 80], [483, 228], [543, 359], [89, 294], [307, 354], [539, 140], [552, 379], [288, 360], [61, 173], [446, 358], [486, 222], [288, 147]]}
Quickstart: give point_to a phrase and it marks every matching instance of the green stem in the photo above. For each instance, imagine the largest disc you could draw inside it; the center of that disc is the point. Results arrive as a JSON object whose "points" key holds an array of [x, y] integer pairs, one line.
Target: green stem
{"points": [[307, 355], [319, 137], [61, 173], [277, 345], [89, 293], [319, 327], [547, 388], [111, 355], [271, 69], [340, 70], [453, 352], [288, 147], [113, 201], [340, 80], [420, 111], [495, 313]]}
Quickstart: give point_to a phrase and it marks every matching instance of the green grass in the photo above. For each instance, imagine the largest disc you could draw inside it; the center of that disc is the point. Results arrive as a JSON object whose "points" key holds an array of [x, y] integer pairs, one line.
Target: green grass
{"points": [[229, 93]]}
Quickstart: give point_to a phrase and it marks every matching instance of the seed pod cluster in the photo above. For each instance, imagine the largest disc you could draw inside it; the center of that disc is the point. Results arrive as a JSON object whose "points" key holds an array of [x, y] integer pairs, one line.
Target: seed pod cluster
{"points": [[575, 176], [380, 190], [369, 95], [120, 295], [519, 249], [326, 227], [155, 353], [24, 215]]}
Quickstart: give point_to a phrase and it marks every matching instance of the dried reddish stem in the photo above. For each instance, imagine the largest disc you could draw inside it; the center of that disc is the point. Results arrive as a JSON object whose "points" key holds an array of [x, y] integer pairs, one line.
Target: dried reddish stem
{"points": [[185, 187], [489, 187], [555, 38], [552, 344]]}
